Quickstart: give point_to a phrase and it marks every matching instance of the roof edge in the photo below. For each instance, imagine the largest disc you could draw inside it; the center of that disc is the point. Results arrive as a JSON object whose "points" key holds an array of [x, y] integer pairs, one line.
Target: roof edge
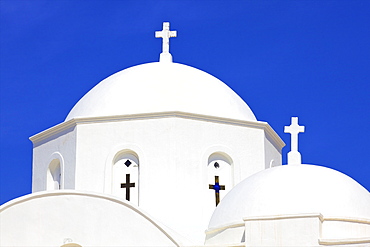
{"points": [[173, 236], [70, 124]]}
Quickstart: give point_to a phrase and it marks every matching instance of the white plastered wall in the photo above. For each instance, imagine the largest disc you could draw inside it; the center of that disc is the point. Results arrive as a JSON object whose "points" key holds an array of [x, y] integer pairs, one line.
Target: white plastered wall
{"points": [[272, 154], [283, 230], [173, 154], [61, 146]]}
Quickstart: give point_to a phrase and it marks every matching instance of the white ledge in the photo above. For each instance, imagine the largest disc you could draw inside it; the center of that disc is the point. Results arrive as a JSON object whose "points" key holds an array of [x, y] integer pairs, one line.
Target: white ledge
{"points": [[344, 241], [242, 244], [285, 216], [70, 124], [348, 219], [223, 227]]}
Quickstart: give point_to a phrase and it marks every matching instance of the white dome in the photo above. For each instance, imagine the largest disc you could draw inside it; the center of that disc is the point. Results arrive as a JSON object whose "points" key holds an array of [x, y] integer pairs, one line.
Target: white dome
{"points": [[161, 87], [293, 189]]}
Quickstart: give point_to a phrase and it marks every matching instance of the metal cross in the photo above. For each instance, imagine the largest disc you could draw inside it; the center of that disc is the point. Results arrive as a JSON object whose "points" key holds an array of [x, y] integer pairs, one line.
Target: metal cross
{"points": [[217, 187], [128, 185], [165, 34]]}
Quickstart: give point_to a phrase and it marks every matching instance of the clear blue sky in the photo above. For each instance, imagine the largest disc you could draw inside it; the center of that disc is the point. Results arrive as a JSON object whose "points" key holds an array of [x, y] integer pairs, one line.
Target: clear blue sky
{"points": [[309, 59]]}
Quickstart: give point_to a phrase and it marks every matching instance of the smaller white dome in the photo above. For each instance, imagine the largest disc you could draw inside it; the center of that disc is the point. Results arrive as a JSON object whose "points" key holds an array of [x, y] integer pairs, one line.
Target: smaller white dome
{"points": [[293, 189], [161, 87]]}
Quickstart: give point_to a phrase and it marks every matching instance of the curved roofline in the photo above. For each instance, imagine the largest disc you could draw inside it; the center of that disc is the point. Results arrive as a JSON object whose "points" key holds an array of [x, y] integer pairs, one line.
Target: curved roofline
{"points": [[113, 199]]}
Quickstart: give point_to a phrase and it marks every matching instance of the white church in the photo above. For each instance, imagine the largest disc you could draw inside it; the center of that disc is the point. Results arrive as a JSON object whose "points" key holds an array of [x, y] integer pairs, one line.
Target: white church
{"points": [[177, 168]]}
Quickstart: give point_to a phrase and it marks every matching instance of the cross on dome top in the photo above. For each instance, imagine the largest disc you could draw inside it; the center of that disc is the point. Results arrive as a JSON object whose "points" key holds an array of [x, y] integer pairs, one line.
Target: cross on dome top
{"points": [[294, 157], [165, 34]]}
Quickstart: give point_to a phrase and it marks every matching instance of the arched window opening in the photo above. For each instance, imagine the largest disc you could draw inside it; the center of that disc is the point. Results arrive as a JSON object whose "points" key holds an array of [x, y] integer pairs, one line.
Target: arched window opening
{"points": [[219, 176], [54, 175], [125, 176]]}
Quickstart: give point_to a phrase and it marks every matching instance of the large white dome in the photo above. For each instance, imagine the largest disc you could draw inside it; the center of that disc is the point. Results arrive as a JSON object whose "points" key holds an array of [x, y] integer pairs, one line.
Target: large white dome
{"points": [[161, 87], [293, 189]]}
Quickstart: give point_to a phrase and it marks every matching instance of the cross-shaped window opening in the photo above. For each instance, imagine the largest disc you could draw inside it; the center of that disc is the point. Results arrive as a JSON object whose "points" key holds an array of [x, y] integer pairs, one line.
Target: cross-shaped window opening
{"points": [[217, 187], [128, 185]]}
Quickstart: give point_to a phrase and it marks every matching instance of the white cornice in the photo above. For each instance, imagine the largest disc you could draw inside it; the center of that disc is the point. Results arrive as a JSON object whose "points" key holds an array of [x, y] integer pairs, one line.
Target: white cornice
{"points": [[224, 227], [346, 241], [65, 126], [284, 216], [53, 131], [348, 219]]}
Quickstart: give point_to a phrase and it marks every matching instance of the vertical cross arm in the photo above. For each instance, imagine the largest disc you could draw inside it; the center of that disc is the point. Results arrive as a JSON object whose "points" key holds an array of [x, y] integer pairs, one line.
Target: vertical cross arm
{"points": [[294, 157]]}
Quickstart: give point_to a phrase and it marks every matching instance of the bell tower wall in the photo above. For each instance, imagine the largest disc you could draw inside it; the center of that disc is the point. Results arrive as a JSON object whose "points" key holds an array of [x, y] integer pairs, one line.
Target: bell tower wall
{"points": [[54, 158], [162, 162]]}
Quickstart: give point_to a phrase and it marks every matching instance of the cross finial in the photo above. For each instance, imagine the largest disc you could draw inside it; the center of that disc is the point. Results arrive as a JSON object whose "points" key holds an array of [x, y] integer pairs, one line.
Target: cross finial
{"points": [[294, 157], [165, 34]]}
